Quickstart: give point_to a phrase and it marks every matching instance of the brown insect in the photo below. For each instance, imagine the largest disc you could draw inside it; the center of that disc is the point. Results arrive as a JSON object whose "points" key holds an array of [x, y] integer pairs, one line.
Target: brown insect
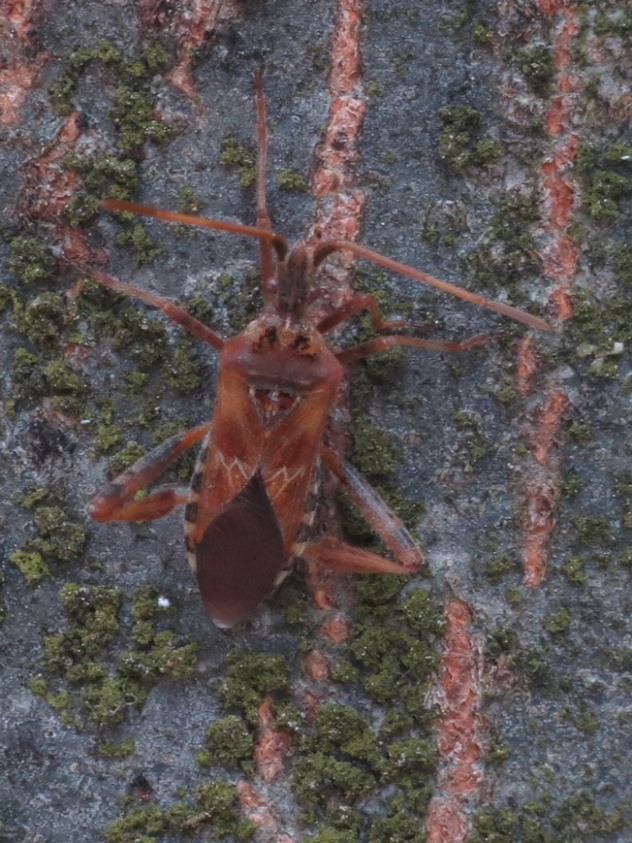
{"points": [[250, 508]]}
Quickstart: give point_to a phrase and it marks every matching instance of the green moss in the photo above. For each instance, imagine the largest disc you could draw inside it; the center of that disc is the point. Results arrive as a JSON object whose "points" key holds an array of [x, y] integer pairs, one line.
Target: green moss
{"points": [[501, 642], [77, 655], [575, 570], [580, 434], [497, 753], [374, 453], [144, 249], [493, 827], [59, 702], [498, 566], [593, 529], [422, 614], [341, 731], [459, 143], [389, 659], [507, 254], [292, 182], [290, 719], [233, 154], [106, 702], [473, 445], [58, 537], [386, 368], [603, 179], [342, 670], [43, 319], [538, 68], [586, 721], [623, 263], [117, 750], [93, 610], [319, 779], [219, 799], [579, 817], [399, 828], [189, 202], [164, 655], [618, 153], [600, 332], [38, 686], [623, 490], [105, 175], [410, 761], [252, 676], [229, 742], [481, 34], [458, 125], [154, 58], [81, 210], [505, 392], [601, 198], [31, 565], [61, 378], [106, 437], [27, 375], [331, 835], [63, 88], [134, 115], [625, 560], [141, 824], [7, 296], [559, 623], [614, 21], [535, 665], [36, 376], [513, 596], [143, 338], [573, 485], [148, 604], [184, 372], [125, 458], [487, 151], [30, 261]]}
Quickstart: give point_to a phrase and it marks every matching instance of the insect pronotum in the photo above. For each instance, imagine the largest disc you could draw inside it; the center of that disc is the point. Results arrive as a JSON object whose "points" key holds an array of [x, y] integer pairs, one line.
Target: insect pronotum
{"points": [[250, 507]]}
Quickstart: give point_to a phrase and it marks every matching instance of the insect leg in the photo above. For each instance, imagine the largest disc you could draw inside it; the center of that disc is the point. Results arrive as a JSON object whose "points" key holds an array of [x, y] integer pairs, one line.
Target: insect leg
{"points": [[388, 526], [339, 556], [368, 302], [263, 220], [114, 503], [381, 344], [358, 302], [166, 306]]}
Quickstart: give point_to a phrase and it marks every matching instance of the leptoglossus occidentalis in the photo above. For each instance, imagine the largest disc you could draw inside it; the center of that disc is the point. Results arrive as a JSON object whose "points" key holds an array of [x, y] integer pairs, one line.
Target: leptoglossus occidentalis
{"points": [[250, 507]]}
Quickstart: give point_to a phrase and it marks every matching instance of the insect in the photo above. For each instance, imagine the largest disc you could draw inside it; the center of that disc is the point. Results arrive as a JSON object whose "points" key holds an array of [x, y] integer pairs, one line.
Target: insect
{"points": [[250, 508]]}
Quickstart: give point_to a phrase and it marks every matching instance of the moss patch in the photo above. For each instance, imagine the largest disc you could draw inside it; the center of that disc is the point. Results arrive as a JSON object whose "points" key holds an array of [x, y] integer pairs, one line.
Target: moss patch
{"points": [[78, 658]]}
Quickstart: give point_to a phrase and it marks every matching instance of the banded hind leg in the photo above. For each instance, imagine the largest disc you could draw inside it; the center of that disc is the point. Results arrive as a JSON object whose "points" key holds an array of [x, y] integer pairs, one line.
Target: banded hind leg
{"points": [[337, 555], [116, 503]]}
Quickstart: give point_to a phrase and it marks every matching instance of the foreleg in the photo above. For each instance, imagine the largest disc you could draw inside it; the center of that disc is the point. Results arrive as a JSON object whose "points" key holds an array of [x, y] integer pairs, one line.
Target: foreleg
{"points": [[115, 502], [169, 308]]}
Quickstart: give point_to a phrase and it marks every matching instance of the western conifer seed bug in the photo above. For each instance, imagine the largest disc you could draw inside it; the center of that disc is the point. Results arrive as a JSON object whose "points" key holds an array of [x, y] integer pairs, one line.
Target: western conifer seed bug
{"points": [[250, 507]]}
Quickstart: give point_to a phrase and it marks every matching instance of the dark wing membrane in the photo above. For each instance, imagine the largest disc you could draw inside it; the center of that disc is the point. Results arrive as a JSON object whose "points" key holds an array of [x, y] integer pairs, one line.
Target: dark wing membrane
{"points": [[240, 555]]}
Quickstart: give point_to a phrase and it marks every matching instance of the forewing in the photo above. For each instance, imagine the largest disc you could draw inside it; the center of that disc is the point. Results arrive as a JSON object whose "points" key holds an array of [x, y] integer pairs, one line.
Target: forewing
{"points": [[240, 555]]}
